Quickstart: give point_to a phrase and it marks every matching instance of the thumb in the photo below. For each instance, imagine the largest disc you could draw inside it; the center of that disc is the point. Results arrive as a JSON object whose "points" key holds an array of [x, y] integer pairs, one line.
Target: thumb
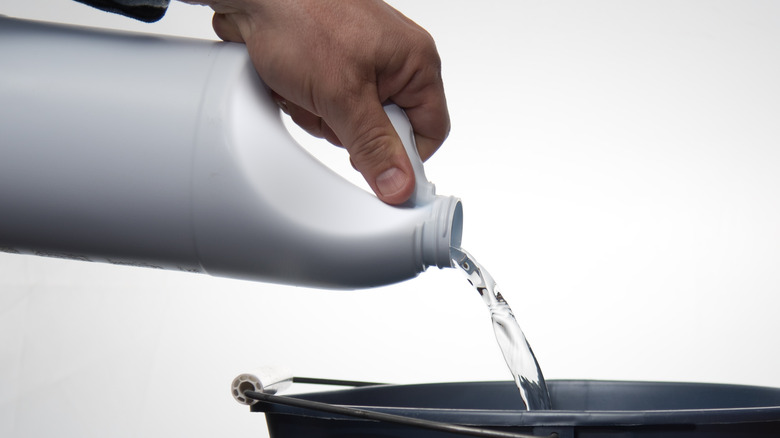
{"points": [[376, 151]]}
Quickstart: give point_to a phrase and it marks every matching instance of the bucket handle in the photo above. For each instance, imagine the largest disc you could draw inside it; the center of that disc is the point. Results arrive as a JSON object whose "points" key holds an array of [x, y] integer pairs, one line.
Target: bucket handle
{"points": [[389, 418]]}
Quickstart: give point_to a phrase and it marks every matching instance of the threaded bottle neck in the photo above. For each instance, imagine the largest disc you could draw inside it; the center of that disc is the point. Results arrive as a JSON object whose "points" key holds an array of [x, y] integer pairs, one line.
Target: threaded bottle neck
{"points": [[442, 230]]}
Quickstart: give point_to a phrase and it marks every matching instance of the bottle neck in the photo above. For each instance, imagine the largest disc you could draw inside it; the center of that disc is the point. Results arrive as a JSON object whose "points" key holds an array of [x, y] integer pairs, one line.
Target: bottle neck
{"points": [[443, 229]]}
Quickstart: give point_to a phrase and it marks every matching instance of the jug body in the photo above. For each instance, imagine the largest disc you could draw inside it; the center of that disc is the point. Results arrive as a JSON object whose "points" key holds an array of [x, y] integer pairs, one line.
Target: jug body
{"points": [[169, 153]]}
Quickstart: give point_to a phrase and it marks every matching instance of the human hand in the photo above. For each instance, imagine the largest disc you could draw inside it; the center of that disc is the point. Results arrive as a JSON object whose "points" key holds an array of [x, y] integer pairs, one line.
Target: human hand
{"points": [[332, 64]]}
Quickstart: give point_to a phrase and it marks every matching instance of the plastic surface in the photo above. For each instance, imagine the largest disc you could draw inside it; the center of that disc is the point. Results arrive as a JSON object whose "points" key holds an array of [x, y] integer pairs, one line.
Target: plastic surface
{"points": [[424, 191], [592, 409], [169, 153]]}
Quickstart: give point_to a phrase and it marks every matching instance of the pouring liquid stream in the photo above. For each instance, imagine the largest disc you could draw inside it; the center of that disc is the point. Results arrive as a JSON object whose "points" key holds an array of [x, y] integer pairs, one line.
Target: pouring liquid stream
{"points": [[517, 352]]}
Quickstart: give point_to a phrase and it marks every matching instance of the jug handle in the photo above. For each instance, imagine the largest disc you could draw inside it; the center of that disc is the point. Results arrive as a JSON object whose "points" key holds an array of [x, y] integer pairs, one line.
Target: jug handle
{"points": [[424, 191]]}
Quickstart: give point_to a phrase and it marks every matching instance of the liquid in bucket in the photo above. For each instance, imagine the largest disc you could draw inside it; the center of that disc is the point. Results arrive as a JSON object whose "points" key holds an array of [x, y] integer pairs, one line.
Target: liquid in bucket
{"points": [[517, 352]]}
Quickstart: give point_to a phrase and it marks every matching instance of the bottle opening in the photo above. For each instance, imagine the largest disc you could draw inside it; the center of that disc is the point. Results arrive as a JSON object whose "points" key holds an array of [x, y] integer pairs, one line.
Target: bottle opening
{"points": [[456, 232]]}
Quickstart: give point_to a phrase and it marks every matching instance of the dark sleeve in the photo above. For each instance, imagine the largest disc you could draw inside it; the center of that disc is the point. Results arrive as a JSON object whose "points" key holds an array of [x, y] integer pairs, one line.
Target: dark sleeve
{"points": [[144, 10]]}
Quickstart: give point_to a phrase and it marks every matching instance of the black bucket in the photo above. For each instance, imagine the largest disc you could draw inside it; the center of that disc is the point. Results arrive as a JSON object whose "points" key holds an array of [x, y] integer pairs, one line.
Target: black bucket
{"points": [[581, 409]]}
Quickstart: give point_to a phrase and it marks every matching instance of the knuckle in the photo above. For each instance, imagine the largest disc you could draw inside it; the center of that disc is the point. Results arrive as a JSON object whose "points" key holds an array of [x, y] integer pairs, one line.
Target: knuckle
{"points": [[371, 148]]}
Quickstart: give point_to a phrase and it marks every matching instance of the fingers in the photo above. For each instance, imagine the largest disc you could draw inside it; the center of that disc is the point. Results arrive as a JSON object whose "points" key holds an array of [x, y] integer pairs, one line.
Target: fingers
{"points": [[225, 28], [423, 98], [431, 124], [375, 149], [310, 122]]}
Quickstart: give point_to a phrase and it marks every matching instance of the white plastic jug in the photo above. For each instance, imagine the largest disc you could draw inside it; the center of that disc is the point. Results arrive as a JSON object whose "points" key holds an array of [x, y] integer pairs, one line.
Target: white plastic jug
{"points": [[169, 153]]}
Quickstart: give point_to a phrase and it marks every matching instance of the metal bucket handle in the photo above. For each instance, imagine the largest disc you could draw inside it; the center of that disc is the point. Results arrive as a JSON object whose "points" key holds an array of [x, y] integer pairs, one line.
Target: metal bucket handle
{"points": [[379, 416]]}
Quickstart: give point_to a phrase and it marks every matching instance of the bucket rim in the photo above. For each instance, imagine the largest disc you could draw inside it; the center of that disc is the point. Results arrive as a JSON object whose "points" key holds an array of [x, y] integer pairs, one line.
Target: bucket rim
{"points": [[553, 418]]}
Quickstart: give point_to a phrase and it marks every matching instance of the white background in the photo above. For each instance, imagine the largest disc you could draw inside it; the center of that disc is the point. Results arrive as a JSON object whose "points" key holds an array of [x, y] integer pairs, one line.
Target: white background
{"points": [[619, 166]]}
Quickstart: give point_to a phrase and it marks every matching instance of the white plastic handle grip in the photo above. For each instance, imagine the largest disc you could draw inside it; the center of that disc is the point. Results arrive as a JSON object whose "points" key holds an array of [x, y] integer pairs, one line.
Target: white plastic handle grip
{"points": [[424, 190]]}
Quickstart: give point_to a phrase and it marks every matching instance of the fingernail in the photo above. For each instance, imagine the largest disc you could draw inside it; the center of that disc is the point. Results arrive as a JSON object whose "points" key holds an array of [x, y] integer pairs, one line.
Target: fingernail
{"points": [[391, 181]]}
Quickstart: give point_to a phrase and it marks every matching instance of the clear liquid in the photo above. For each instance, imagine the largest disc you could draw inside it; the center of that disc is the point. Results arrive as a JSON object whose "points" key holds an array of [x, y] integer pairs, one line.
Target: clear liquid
{"points": [[515, 348]]}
